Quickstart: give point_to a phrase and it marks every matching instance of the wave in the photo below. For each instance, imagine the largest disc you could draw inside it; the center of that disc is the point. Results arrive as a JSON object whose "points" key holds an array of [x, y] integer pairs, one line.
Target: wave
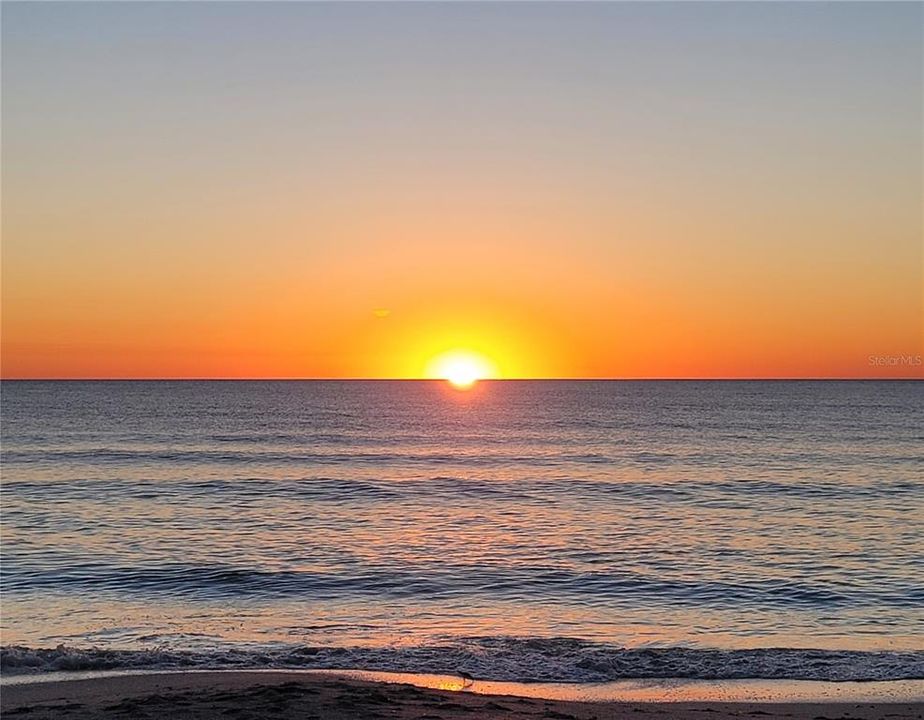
{"points": [[496, 658], [703, 493], [354, 457], [434, 582]]}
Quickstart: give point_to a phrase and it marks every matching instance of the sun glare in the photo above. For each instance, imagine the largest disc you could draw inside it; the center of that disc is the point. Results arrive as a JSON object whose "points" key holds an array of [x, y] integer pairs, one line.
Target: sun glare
{"points": [[462, 374], [461, 368]]}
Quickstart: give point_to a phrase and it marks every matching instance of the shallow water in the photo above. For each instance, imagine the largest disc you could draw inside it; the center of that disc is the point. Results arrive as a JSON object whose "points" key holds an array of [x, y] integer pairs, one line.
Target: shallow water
{"points": [[654, 690], [541, 530]]}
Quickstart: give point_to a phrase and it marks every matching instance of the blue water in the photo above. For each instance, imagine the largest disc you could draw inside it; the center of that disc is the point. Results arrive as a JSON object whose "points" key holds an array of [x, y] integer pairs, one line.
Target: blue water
{"points": [[521, 530]]}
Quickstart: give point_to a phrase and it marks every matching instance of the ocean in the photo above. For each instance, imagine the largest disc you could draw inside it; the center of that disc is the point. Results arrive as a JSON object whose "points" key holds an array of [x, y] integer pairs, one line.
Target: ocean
{"points": [[522, 530]]}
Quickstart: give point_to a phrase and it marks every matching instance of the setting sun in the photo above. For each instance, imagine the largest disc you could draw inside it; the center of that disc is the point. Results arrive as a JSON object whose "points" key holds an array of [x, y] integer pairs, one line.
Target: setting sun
{"points": [[462, 368]]}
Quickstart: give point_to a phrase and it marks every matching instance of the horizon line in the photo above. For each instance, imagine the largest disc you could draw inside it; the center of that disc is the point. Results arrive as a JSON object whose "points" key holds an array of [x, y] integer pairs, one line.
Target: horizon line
{"points": [[480, 380]]}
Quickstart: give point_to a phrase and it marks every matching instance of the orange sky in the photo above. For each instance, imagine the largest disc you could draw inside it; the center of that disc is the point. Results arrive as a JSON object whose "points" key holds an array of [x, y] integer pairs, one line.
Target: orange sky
{"points": [[595, 190]]}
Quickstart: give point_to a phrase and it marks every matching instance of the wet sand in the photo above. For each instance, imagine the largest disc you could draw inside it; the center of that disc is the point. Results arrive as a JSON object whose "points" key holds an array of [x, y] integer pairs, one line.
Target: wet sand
{"points": [[287, 696]]}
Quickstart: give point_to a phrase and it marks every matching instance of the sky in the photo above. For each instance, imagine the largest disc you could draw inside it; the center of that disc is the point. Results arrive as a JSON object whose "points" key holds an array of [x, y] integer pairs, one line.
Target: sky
{"points": [[657, 189]]}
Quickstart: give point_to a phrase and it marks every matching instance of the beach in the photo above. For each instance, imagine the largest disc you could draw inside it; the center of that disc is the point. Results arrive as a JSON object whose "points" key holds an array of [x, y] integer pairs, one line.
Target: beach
{"points": [[285, 695]]}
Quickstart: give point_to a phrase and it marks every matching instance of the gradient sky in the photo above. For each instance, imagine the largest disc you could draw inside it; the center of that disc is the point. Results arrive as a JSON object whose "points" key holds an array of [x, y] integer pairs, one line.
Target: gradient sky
{"points": [[572, 190]]}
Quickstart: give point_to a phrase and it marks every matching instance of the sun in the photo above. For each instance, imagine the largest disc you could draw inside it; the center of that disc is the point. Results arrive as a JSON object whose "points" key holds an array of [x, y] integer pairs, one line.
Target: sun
{"points": [[462, 373], [461, 368]]}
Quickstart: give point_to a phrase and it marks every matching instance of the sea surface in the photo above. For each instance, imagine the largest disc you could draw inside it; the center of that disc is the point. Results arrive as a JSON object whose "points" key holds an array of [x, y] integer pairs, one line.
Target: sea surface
{"points": [[522, 530]]}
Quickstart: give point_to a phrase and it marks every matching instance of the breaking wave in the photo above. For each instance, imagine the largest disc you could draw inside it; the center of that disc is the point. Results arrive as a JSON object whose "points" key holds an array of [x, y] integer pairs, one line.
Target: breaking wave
{"points": [[496, 658]]}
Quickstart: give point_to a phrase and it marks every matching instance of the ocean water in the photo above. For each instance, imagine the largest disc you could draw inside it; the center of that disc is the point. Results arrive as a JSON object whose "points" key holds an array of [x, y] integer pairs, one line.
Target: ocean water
{"points": [[523, 530]]}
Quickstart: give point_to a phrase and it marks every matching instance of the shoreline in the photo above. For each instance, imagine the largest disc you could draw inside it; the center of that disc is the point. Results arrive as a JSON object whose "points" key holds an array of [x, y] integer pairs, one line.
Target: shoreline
{"points": [[660, 690], [293, 694]]}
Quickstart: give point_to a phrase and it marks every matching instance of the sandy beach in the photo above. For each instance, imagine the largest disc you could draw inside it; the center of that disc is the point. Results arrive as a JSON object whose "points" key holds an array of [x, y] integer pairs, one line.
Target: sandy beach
{"points": [[284, 695]]}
